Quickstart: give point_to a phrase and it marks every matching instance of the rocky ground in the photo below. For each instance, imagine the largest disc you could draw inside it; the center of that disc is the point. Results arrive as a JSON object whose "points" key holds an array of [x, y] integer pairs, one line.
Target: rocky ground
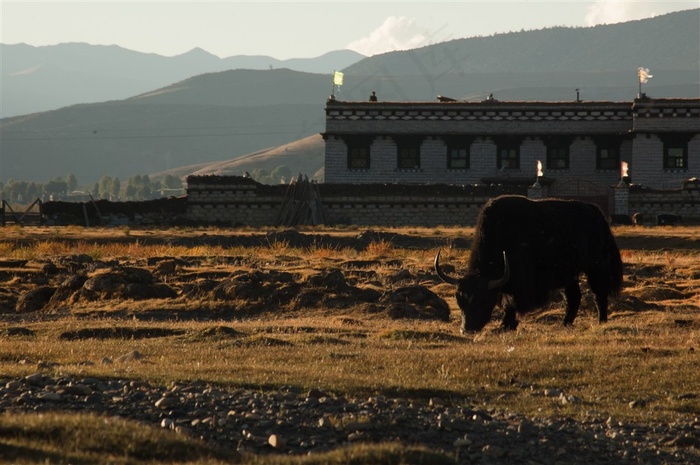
{"points": [[289, 421]]}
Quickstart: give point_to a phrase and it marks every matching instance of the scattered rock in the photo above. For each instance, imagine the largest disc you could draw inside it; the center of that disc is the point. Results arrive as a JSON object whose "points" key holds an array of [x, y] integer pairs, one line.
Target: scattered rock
{"points": [[35, 299], [640, 403], [130, 357], [291, 421], [276, 441]]}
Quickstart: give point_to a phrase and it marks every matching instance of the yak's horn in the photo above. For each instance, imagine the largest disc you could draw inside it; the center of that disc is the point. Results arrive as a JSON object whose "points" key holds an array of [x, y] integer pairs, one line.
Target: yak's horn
{"points": [[441, 274], [500, 282]]}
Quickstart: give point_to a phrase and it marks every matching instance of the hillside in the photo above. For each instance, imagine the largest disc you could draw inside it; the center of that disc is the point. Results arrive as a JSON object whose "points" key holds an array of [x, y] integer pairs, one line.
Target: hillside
{"points": [[600, 60], [217, 117], [36, 79], [301, 156]]}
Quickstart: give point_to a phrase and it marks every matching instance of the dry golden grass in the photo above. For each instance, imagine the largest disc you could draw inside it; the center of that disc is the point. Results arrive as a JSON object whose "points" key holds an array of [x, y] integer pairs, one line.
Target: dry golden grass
{"points": [[642, 353]]}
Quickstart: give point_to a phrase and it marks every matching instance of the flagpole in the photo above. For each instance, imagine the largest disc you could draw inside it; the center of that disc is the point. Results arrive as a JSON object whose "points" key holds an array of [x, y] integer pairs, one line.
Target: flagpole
{"points": [[333, 85]]}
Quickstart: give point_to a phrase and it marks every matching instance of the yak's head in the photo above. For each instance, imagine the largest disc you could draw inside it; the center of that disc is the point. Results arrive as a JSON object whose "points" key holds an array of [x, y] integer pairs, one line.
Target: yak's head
{"points": [[476, 295]]}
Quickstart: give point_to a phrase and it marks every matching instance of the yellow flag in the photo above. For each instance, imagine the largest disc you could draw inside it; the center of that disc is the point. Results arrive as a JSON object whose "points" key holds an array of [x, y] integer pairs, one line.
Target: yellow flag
{"points": [[338, 78]]}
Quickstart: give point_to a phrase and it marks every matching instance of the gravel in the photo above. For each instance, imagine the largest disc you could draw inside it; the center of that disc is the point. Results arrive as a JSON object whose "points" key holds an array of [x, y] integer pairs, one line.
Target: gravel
{"points": [[291, 421]]}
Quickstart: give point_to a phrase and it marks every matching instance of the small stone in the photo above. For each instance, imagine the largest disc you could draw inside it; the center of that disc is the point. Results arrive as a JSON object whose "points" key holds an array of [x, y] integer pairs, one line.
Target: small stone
{"points": [[436, 402], [130, 357], [165, 402], [183, 431], [77, 390], [553, 392], [13, 385], [167, 423], [316, 394], [463, 442], [36, 379], [49, 396], [569, 399], [493, 451], [276, 441], [640, 403]]}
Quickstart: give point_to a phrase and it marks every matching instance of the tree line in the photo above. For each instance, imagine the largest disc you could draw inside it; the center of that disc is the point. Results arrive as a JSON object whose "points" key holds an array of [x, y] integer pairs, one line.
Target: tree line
{"points": [[139, 187]]}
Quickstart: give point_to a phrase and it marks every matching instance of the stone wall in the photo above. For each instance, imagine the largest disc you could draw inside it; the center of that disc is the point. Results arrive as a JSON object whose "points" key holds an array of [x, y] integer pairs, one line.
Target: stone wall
{"points": [[242, 201], [684, 202], [407, 205], [232, 200]]}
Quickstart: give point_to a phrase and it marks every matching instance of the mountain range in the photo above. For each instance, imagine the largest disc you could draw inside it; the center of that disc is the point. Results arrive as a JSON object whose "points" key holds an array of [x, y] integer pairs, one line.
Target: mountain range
{"points": [[207, 121], [36, 79]]}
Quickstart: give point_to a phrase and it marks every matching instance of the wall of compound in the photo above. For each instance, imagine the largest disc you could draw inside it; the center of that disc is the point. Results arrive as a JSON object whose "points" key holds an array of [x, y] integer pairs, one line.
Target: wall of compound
{"points": [[229, 202], [649, 203]]}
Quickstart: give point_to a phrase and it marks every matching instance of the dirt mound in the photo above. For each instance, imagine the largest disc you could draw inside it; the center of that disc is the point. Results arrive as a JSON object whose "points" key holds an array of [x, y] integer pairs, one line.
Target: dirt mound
{"points": [[416, 302]]}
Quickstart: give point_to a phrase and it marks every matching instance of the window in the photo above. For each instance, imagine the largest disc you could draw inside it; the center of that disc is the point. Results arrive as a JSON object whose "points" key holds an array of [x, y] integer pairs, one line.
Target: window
{"points": [[457, 158], [675, 151], [508, 158], [607, 158], [358, 157], [507, 153], [408, 153], [607, 153], [558, 154], [458, 154], [558, 158], [675, 156], [358, 152]]}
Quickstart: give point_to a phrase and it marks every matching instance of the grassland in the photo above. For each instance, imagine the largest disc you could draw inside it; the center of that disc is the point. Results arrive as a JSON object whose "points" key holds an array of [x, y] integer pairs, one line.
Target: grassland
{"points": [[645, 357]]}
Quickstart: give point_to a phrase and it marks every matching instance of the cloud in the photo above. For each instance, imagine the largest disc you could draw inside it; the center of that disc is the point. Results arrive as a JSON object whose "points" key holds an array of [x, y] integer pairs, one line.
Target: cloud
{"points": [[617, 11], [396, 33]]}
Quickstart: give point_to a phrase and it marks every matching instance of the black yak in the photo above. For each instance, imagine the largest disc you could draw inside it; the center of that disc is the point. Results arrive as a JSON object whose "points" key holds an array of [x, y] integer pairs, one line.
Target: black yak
{"points": [[524, 249]]}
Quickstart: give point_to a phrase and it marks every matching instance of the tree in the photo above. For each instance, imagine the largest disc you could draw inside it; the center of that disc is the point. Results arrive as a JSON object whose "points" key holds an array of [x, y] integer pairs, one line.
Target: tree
{"points": [[116, 188], [33, 191], [56, 188], [130, 192], [279, 173], [172, 182], [105, 187], [71, 182]]}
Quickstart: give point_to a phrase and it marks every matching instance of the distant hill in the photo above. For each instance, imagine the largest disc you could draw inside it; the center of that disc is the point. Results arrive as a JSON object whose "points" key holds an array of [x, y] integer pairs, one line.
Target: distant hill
{"points": [[212, 119], [36, 79], [301, 156]]}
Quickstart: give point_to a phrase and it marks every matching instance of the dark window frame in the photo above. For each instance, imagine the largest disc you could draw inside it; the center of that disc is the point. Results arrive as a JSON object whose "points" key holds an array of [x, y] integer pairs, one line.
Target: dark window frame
{"points": [[675, 151], [508, 150], [608, 162], [359, 151], [677, 161], [458, 153], [558, 154], [408, 153]]}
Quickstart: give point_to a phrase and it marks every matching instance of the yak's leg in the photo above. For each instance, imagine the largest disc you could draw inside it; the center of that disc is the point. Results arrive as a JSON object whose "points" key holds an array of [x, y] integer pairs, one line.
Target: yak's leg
{"points": [[601, 301], [509, 320], [601, 296], [573, 302]]}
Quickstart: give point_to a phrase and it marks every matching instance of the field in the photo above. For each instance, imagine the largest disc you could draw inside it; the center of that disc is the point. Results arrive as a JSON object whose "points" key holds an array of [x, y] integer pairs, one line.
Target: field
{"points": [[321, 345]]}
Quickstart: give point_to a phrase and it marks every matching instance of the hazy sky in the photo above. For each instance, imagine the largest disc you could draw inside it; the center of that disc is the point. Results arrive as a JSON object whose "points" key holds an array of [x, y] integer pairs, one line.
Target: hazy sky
{"points": [[299, 29]]}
